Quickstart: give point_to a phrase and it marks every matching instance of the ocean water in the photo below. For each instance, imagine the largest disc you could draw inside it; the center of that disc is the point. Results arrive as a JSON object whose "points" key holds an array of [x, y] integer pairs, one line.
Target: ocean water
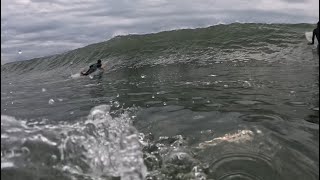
{"points": [[238, 101]]}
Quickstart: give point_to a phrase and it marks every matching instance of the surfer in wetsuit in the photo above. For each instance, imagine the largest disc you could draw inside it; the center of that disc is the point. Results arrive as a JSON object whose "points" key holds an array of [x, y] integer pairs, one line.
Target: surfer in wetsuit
{"points": [[315, 33], [93, 68]]}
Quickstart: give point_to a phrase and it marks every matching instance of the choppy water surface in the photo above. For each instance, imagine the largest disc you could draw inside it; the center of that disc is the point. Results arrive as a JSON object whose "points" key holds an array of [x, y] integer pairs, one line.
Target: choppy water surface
{"points": [[192, 106]]}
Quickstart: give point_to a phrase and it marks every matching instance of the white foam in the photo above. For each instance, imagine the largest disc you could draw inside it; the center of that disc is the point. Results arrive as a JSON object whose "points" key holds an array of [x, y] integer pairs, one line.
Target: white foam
{"points": [[5, 165], [241, 136], [75, 76]]}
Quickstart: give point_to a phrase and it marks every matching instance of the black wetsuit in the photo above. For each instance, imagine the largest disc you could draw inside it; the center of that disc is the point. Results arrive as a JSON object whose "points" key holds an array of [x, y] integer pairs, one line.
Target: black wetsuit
{"points": [[92, 69], [315, 33]]}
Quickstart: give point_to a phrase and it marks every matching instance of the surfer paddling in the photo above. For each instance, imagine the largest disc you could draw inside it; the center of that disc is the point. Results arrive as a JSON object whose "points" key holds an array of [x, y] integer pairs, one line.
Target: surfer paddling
{"points": [[93, 68]]}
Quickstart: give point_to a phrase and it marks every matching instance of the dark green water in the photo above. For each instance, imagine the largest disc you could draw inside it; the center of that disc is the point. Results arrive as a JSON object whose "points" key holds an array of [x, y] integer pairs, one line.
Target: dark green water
{"points": [[236, 101]]}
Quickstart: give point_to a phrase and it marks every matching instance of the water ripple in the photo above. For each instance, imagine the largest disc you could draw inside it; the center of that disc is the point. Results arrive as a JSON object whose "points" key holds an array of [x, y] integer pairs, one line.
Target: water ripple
{"points": [[243, 166], [260, 117]]}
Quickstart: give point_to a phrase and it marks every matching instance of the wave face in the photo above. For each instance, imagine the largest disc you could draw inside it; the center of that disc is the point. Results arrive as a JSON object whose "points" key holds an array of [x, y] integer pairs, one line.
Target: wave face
{"points": [[212, 44]]}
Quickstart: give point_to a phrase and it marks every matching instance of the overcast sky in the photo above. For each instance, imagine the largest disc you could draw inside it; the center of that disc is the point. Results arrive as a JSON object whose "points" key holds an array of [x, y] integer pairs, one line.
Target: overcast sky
{"points": [[35, 28]]}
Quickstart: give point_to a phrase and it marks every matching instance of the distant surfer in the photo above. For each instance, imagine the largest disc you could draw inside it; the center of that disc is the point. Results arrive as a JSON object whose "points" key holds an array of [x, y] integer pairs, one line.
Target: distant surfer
{"points": [[315, 33], [93, 68]]}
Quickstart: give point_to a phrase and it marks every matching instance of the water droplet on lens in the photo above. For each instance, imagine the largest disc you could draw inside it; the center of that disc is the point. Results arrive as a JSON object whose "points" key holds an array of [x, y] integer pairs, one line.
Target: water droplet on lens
{"points": [[51, 101], [25, 150], [247, 84], [54, 158], [116, 104]]}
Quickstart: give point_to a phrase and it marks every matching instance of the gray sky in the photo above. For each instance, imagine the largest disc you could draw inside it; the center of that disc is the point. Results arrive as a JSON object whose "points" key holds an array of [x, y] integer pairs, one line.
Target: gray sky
{"points": [[35, 28]]}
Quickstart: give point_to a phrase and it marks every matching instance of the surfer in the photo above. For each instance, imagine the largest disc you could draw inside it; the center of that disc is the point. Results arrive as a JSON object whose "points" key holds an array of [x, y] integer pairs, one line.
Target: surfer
{"points": [[93, 68], [315, 33]]}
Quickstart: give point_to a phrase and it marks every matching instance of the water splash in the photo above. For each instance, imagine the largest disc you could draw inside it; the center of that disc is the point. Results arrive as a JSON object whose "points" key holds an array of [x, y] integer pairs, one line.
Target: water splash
{"points": [[101, 146]]}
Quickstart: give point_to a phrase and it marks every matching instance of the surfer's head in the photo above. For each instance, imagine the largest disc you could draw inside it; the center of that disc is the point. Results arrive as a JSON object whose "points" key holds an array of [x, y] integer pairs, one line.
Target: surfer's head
{"points": [[99, 61]]}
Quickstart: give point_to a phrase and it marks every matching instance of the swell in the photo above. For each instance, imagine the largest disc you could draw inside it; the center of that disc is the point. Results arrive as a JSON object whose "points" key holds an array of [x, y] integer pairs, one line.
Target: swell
{"points": [[220, 42]]}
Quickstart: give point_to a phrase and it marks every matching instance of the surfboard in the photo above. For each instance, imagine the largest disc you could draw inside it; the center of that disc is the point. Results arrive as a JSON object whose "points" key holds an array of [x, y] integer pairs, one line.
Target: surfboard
{"points": [[98, 73], [309, 39]]}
